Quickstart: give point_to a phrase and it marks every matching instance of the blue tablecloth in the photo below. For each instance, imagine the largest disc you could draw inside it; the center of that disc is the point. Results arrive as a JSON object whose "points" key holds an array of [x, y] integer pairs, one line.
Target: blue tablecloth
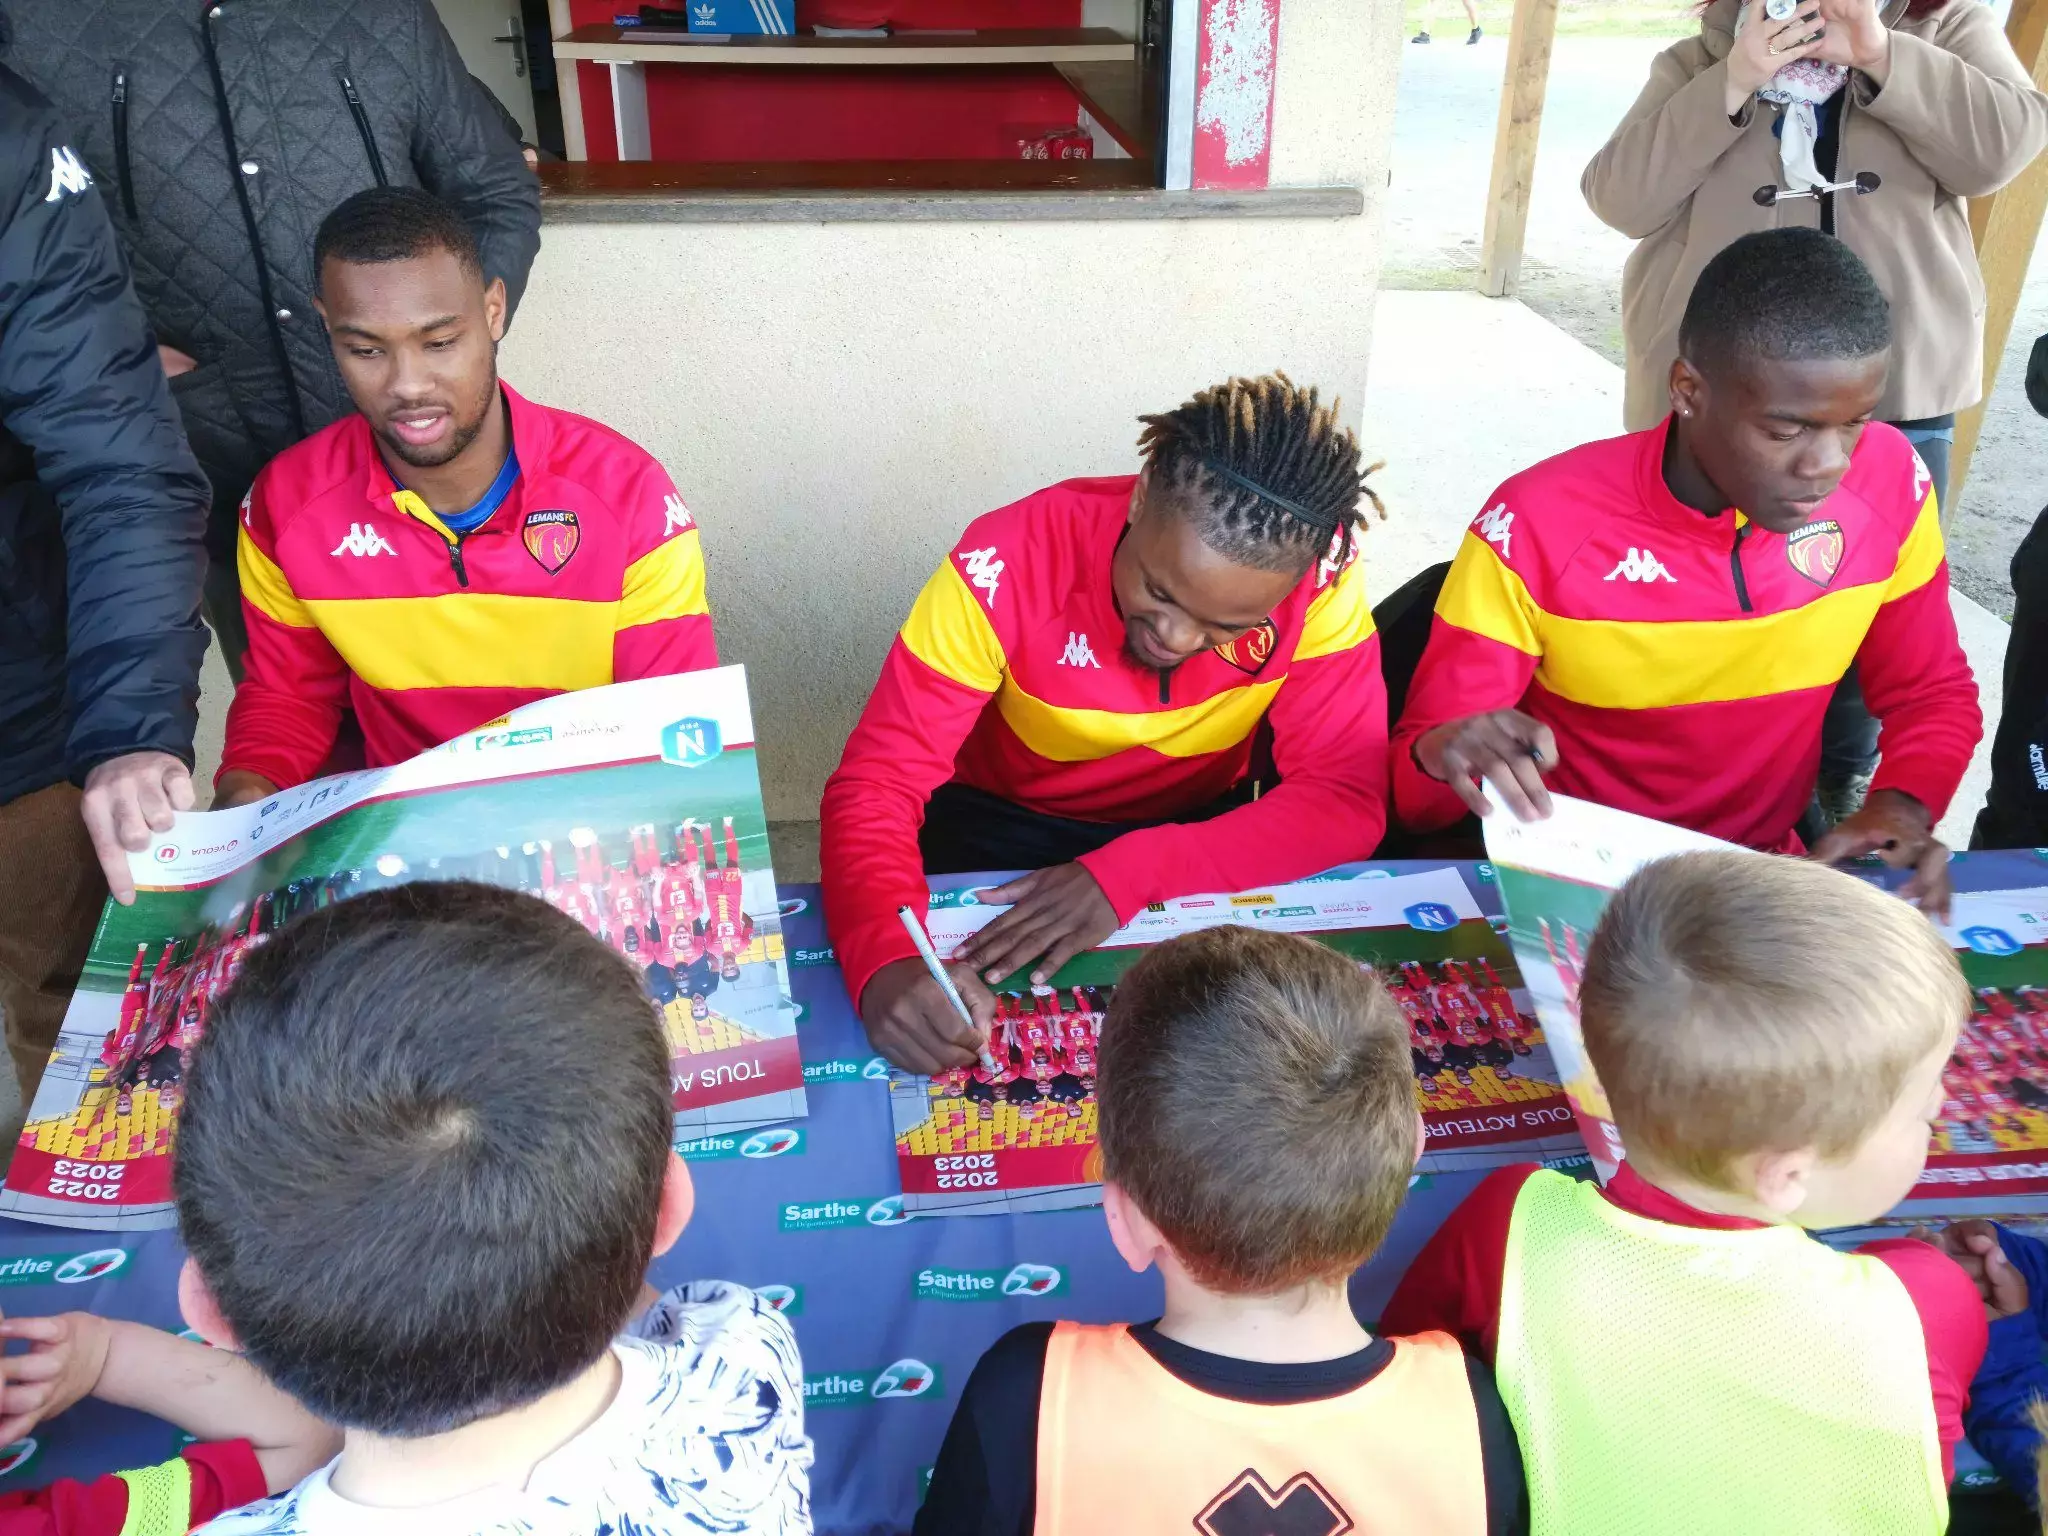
{"points": [[869, 1290]]}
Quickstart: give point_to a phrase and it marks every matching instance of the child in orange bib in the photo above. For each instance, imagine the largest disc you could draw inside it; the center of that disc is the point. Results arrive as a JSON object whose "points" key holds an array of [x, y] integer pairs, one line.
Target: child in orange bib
{"points": [[1256, 1402]]}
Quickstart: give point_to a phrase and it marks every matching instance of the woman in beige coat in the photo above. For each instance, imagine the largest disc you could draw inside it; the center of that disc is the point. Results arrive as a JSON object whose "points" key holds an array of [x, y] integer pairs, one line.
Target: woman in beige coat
{"points": [[1924, 94]]}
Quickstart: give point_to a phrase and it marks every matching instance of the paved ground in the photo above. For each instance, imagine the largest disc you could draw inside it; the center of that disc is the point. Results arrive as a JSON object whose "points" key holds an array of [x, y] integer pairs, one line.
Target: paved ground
{"points": [[1443, 147]]}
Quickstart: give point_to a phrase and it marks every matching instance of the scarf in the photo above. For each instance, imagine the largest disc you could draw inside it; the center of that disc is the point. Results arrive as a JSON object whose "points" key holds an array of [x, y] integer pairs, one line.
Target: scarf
{"points": [[1799, 88]]}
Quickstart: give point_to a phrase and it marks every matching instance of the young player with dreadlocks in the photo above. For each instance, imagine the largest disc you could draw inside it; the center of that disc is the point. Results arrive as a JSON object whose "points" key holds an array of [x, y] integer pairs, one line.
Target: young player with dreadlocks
{"points": [[1076, 691]]}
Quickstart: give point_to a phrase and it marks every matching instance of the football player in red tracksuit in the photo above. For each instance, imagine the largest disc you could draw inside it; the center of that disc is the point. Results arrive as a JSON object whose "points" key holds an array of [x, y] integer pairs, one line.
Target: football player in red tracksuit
{"points": [[727, 929], [452, 551], [1083, 678], [1657, 622]]}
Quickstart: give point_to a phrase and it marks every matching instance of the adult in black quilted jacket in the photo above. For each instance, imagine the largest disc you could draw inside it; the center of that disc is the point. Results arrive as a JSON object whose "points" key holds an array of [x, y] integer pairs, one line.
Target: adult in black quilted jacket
{"points": [[101, 514], [222, 134]]}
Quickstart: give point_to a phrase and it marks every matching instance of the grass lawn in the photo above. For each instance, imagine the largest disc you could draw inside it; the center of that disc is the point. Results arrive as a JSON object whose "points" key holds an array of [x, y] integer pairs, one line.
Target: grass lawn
{"points": [[1576, 18]]}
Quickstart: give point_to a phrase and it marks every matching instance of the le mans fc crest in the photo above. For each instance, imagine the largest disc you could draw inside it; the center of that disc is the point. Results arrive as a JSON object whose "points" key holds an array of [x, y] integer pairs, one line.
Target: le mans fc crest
{"points": [[1816, 550], [551, 538], [1251, 650]]}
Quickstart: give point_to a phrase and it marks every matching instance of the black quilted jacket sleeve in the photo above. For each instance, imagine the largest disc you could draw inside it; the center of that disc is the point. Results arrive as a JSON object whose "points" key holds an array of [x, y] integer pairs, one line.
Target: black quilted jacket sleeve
{"points": [[82, 390], [465, 156]]}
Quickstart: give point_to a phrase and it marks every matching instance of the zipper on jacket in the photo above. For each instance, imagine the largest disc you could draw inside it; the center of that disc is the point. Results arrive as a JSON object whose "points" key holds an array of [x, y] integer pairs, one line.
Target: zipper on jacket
{"points": [[1165, 684], [120, 105], [1735, 568], [250, 224], [355, 110], [462, 573]]}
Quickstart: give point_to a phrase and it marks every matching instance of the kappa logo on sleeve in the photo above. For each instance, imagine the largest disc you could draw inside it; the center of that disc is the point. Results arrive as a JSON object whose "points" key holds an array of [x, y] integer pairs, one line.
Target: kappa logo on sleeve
{"points": [[675, 517], [984, 570], [247, 498], [67, 173], [1923, 482], [1496, 525]]}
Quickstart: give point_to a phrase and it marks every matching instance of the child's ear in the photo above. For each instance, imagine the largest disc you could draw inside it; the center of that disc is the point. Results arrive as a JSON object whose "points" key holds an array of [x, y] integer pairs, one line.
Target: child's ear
{"points": [[678, 1201], [1421, 1137], [1784, 1180], [1137, 1241], [202, 1313]]}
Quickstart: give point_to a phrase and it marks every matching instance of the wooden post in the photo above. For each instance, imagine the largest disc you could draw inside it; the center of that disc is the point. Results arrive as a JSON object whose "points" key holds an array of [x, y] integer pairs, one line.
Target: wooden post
{"points": [[1514, 144], [2005, 227], [569, 85]]}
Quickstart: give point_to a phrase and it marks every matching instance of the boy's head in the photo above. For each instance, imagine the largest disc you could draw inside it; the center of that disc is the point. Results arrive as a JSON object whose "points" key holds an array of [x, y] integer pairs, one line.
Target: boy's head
{"points": [[1257, 1108], [425, 1156], [1783, 355], [1772, 1029], [412, 320]]}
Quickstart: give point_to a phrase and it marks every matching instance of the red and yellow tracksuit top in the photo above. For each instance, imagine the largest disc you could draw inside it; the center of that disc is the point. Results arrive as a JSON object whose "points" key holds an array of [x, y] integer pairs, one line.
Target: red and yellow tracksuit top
{"points": [[1684, 661], [590, 572], [1010, 676]]}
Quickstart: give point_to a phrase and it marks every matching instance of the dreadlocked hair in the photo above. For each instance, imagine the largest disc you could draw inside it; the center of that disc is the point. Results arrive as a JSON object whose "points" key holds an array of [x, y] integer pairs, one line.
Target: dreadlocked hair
{"points": [[1233, 456]]}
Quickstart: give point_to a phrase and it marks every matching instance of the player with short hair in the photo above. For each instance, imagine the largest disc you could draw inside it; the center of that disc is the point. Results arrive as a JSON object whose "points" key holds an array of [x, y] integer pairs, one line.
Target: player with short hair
{"points": [[1657, 622], [452, 550], [1077, 690]]}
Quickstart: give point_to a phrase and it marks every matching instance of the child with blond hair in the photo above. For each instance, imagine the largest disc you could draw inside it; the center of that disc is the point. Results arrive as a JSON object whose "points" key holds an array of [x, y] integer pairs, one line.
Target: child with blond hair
{"points": [[1677, 1353]]}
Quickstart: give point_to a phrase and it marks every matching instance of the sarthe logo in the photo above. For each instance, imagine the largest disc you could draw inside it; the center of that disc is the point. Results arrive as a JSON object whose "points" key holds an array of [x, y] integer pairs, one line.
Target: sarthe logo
{"points": [[852, 1211], [363, 539], [786, 1299], [81, 1267], [1020, 1282], [774, 1142], [905, 1378]]}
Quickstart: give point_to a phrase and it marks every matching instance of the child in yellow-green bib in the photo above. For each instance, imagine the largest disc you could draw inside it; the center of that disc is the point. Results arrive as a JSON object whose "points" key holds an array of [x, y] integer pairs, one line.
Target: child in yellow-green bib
{"points": [[1676, 1352]]}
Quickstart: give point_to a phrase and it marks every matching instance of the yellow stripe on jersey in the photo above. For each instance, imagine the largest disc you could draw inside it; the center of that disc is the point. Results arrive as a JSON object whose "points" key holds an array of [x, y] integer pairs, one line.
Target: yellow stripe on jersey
{"points": [[471, 640], [665, 583], [264, 584], [949, 632], [1085, 735], [1339, 617], [1481, 594], [1921, 555], [1612, 664]]}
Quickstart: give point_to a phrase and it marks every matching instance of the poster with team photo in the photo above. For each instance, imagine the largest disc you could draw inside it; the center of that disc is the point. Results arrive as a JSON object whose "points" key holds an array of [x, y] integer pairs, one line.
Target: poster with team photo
{"points": [[1023, 1136], [1989, 1154], [635, 809]]}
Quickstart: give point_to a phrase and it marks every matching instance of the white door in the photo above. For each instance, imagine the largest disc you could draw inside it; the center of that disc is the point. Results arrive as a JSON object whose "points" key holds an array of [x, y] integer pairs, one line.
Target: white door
{"points": [[492, 41]]}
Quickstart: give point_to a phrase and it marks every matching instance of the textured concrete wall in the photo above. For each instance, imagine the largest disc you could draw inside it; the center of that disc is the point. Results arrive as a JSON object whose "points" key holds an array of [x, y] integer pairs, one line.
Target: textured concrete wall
{"points": [[836, 401]]}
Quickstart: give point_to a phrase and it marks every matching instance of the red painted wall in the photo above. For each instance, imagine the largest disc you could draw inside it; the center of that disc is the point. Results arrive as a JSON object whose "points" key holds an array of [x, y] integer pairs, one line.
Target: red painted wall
{"points": [[751, 112]]}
